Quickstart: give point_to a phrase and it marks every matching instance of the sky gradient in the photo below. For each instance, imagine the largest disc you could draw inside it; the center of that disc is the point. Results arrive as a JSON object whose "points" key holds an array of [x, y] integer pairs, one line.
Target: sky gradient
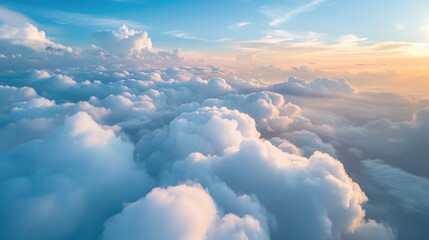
{"points": [[366, 42]]}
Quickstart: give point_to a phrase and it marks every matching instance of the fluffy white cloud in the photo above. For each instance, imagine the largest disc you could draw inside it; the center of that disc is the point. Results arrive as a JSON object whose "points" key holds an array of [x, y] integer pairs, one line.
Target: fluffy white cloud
{"points": [[309, 142], [17, 30], [187, 128], [10, 95], [286, 185], [270, 111], [73, 180], [372, 231], [180, 212], [124, 41], [281, 182], [207, 130], [29, 36], [317, 87], [24, 46]]}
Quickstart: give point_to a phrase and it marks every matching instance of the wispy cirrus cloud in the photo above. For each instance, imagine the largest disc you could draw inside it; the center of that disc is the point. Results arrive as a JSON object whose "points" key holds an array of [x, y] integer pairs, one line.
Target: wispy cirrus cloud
{"points": [[280, 38], [320, 43], [278, 19], [188, 36], [222, 40], [425, 28], [92, 20], [179, 34], [238, 25]]}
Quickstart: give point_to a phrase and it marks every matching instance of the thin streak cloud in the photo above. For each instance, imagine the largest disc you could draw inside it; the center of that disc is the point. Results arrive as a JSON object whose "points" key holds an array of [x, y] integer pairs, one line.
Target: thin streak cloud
{"points": [[85, 19], [183, 35], [287, 16], [179, 34], [239, 25]]}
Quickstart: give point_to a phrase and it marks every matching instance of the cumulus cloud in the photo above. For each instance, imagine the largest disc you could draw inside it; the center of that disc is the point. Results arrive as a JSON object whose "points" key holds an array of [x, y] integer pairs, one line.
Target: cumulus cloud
{"points": [[317, 87], [24, 47], [126, 42], [17, 30], [270, 111], [186, 128], [308, 142], [74, 179], [373, 231], [29, 36], [280, 181], [157, 215]]}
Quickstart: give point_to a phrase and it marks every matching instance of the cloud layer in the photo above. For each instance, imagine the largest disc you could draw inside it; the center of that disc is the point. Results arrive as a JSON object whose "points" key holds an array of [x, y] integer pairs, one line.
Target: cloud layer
{"points": [[112, 149], [246, 164]]}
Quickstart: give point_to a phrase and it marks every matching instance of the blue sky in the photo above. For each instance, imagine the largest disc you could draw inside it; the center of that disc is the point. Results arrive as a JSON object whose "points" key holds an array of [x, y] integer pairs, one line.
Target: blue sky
{"points": [[213, 25]]}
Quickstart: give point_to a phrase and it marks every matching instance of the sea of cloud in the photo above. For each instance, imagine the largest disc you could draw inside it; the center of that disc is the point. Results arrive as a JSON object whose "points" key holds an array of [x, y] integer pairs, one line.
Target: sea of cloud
{"points": [[115, 143]]}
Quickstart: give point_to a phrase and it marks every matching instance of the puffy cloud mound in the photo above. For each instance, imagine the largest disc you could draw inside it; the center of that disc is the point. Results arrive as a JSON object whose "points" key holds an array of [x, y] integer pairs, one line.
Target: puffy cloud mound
{"points": [[209, 130], [270, 111], [372, 231], [24, 46], [254, 158], [250, 161], [180, 212], [315, 88], [65, 186], [123, 41], [28, 35], [16, 32], [281, 182]]}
